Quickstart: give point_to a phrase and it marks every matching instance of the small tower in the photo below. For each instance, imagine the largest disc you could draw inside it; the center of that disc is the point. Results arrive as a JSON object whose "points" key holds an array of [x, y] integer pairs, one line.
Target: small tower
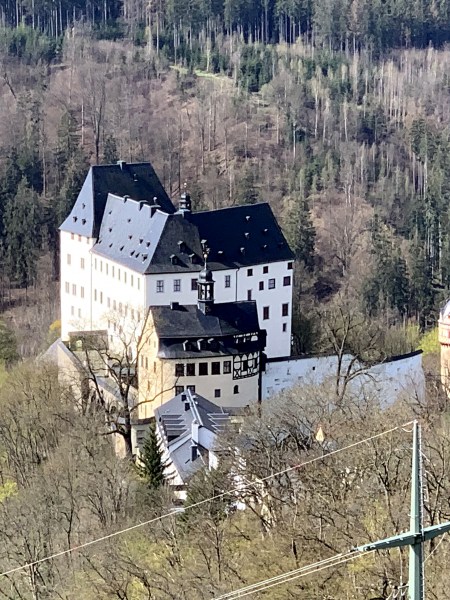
{"points": [[185, 205], [205, 284], [205, 287], [444, 341]]}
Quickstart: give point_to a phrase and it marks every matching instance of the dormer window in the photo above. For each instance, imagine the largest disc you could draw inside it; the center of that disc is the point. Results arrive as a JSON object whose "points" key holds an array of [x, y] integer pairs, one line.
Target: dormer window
{"points": [[247, 235], [83, 221], [181, 246], [192, 258], [173, 259], [75, 219]]}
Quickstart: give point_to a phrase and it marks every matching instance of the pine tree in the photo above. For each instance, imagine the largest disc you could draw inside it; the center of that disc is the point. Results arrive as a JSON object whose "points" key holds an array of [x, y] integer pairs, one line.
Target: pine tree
{"points": [[152, 466], [301, 233], [22, 235], [422, 292], [110, 151]]}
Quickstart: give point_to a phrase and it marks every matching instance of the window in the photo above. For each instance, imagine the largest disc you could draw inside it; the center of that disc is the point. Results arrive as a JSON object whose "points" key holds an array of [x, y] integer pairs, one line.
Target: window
{"points": [[82, 263], [227, 281], [67, 287], [118, 274], [271, 284], [146, 362], [203, 369], [177, 285], [215, 368], [249, 294], [72, 310], [72, 236], [285, 310], [82, 291], [265, 313], [95, 263], [160, 286], [265, 270], [193, 284], [245, 365], [95, 295], [290, 266], [101, 266], [79, 313], [69, 259], [227, 366], [120, 308], [179, 370], [108, 302], [249, 272], [139, 283], [284, 327], [74, 289], [236, 389], [114, 305], [132, 313], [179, 389], [287, 280], [106, 267], [124, 276], [190, 369], [216, 393], [101, 297], [261, 285], [191, 388], [132, 280], [113, 271], [79, 237]]}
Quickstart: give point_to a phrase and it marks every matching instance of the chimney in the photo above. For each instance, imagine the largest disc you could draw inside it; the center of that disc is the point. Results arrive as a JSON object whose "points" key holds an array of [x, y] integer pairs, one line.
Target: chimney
{"points": [[122, 164]]}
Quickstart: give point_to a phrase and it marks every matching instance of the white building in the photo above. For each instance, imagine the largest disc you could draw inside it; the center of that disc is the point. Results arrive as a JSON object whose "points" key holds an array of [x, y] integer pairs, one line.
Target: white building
{"points": [[125, 247], [187, 427]]}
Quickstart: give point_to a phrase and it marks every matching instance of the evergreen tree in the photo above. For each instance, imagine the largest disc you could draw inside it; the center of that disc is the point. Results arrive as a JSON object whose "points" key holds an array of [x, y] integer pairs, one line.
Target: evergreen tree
{"points": [[301, 233], [422, 292], [151, 466], [110, 151], [22, 235]]}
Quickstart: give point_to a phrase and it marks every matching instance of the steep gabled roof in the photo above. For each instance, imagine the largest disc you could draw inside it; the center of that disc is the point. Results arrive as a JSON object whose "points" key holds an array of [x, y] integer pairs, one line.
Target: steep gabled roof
{"points": [[137, 180], [130, 232], [242, 236], [175, 419]]}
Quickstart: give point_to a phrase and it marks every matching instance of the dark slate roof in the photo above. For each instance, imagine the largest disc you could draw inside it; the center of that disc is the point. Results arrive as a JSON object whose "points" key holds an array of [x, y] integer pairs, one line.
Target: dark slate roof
{"points": [[136, 180], [237, 236], [228, 318], [130, 232], [241, 236]]}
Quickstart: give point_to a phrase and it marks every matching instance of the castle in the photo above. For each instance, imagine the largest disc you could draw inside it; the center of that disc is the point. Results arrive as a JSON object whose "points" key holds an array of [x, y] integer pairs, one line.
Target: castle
{"points": [[199, 303]]}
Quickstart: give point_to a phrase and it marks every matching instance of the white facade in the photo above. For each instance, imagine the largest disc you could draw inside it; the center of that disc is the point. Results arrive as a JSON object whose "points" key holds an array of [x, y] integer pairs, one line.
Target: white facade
{"points": [[76, 283], [269, 285], [95, 289]]}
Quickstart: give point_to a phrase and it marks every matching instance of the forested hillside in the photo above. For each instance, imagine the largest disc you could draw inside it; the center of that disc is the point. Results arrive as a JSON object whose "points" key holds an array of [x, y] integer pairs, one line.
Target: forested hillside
{"points": [[335, 112]]}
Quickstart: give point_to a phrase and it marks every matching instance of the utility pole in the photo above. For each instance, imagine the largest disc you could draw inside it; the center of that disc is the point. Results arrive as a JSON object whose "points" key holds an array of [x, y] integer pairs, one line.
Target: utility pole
{"points": [[417, 534]]}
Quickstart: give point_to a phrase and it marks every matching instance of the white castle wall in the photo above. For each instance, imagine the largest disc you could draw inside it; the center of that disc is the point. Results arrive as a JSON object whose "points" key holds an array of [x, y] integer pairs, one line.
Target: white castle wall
{"points": [[396, 377]]}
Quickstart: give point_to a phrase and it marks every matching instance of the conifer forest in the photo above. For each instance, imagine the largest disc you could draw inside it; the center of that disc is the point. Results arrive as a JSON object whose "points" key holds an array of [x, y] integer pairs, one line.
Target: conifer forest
{"points": [[337, 113]]}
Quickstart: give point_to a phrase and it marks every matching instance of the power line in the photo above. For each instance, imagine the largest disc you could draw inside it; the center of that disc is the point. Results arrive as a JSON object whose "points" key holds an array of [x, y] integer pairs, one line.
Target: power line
{"points": [[266, 584], [196, 504]]}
